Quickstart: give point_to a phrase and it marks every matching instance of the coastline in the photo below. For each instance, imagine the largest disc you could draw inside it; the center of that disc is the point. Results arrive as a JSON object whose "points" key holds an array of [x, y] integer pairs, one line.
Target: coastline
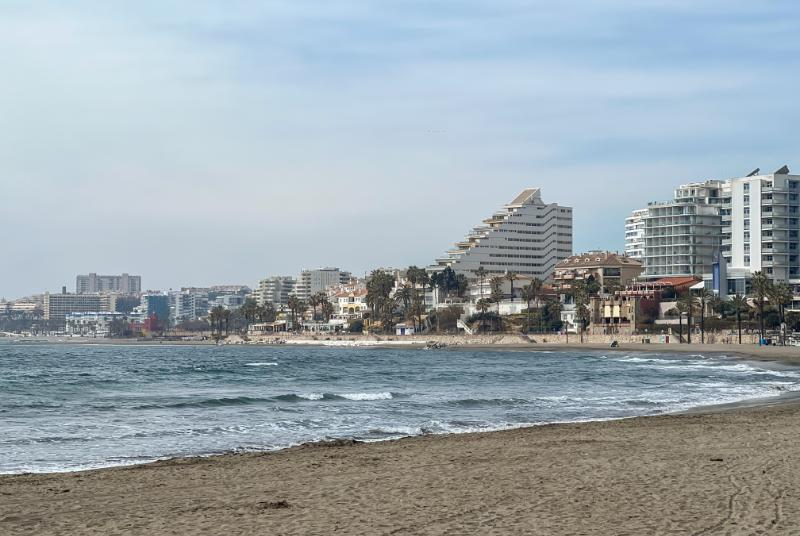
{"points": [[778, 354], [725, 468]]}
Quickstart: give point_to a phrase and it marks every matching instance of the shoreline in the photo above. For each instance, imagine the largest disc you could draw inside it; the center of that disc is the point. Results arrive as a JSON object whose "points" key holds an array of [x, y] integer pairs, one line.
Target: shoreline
{"points": [[778, 354], [599, 476], [786, 398]]}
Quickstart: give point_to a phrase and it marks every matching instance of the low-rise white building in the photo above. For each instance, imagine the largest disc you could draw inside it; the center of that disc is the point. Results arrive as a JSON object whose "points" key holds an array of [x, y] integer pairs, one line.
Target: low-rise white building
{"points": [[95, 324]]}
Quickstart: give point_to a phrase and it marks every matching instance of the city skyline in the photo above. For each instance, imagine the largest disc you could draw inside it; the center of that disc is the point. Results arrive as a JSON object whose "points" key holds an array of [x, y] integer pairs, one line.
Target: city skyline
{"points": [[196, 143]]}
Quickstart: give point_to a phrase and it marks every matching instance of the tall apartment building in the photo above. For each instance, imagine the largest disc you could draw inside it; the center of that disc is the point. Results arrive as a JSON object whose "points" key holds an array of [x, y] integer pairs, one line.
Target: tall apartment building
{"points": [[760, 215], [58, 306], [682, 237], [117, 284], [526, 236], [275, 290], [156, 304], [634, 234], [749, 223], [312, 281], [187, 306]]}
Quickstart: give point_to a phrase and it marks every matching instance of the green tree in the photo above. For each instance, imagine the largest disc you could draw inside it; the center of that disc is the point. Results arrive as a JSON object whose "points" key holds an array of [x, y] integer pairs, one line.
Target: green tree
{"points": [[483, 305], [739, 305], [296, 308], [379, 297], [581, 297], [704, 296], [781, 295], [528, 295], [496, 284], [480, 273], [761, 287], [687, 304], [511, 277]]}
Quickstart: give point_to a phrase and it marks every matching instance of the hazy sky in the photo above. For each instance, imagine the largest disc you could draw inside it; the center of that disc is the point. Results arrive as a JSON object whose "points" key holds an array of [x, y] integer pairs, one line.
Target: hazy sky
{"points": [[197, 142]]}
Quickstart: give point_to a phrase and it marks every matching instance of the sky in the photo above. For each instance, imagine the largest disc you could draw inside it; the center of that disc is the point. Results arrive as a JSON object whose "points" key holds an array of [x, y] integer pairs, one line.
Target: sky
{"points": [[200, 142]]}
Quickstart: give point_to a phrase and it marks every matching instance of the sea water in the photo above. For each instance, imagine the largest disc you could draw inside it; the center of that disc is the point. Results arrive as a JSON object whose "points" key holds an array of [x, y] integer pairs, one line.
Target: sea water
{"points": [[70, 407]]}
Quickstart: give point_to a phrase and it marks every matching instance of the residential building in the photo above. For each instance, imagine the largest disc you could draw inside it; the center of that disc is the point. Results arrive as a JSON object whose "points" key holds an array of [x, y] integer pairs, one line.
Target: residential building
{"points": [[156, 304], [760, 215], [187, 306], [611, 271], [526, 236], [313, 281], [58, 306], [682, 237], [95, 324], [228, 301], [613, 314], [634, 234], [275, 290], [725, 230], [108, 284], [350, 303]]}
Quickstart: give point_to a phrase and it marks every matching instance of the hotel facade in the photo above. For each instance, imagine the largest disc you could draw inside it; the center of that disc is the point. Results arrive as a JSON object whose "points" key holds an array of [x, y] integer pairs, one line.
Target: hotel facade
{"points": [[727, 230], [526, 236]]}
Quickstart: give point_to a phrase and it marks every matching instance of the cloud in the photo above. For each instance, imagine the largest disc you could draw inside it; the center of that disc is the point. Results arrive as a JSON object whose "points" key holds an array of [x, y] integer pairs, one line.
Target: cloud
{"points": [[203, 141]]}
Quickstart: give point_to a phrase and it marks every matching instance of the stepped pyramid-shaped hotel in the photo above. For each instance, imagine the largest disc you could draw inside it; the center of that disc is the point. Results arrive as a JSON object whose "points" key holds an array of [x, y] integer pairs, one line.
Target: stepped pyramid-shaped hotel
{"points": [[527, 236]]}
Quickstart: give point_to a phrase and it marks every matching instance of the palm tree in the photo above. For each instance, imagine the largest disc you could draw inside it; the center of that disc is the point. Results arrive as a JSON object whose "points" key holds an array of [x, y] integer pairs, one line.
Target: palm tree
{"points": [[497, 291], [705, 297], [327, 310], [581, 297], [296, 307], [739, 305], [760, 291], [511, 276], [529, 294], [483, 306], [403, 295], [481, 274], [313, 301], [781, 295], [689, 304]]}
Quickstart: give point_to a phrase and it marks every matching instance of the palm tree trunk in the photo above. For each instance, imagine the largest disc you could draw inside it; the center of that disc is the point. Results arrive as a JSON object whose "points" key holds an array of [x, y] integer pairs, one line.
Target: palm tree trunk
{"points": [[702, 325], [689, 327], [680, 328], [739, 325]]}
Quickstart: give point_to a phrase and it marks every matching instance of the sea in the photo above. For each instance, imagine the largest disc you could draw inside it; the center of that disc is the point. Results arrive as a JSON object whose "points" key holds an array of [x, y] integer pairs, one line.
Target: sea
{"points": [[67, 407]]}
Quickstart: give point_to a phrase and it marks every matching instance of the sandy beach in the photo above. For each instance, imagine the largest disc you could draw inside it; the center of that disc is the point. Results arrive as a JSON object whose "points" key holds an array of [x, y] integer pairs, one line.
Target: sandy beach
{"points": [[721, 472]]}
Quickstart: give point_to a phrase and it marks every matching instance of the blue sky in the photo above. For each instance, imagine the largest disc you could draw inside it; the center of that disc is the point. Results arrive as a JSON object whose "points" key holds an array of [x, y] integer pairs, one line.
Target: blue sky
{"points": [[198, 142]]}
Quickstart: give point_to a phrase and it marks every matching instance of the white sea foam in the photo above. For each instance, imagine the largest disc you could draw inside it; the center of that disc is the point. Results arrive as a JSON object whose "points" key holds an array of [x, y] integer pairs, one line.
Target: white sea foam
{"points": [[260, 364], [367, 396]]}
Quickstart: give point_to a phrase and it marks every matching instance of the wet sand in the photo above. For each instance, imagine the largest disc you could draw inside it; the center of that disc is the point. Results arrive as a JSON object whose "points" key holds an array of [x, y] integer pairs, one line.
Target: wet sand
{"points": [[721, 472]]}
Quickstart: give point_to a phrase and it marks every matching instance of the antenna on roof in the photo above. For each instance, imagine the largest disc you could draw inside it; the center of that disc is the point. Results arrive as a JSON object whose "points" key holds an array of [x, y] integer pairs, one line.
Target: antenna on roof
{"points": [[783, 171], [754, 172]]}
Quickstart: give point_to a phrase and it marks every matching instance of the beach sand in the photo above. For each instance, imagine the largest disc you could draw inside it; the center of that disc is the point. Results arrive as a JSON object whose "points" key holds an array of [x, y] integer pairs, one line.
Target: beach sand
{"points": [[720, 472]]}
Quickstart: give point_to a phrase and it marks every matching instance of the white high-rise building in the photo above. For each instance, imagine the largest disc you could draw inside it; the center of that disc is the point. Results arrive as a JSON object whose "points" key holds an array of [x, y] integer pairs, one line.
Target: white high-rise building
{"points": [[109, 284], [311, 282], [527, 236], [760, 215], [634, 234], [275, 290], [727, 230], [682, 237]]}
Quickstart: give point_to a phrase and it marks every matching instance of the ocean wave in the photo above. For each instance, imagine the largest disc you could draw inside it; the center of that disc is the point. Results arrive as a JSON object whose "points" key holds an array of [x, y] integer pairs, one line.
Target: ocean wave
{"points": [[208, 403], [368, 396], [293, 397], [478, 402], [260, 364]]}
